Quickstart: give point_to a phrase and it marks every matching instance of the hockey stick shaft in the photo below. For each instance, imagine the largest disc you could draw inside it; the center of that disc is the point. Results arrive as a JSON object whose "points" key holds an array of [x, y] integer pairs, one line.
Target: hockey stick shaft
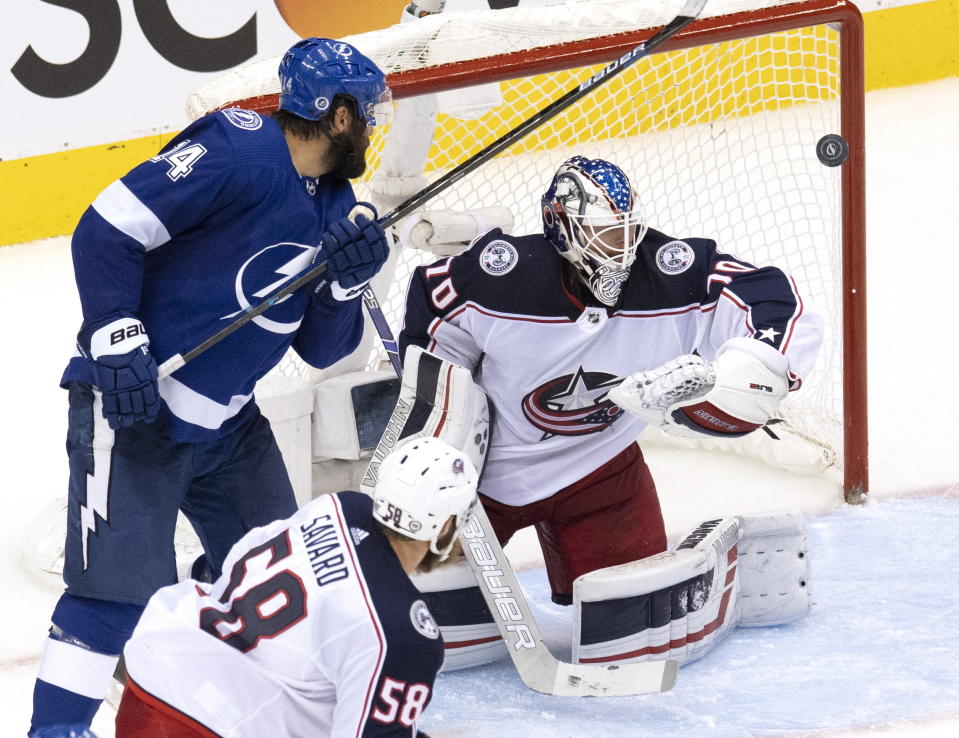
{"points": [[534, 662], [688, 13], [177, 360]]}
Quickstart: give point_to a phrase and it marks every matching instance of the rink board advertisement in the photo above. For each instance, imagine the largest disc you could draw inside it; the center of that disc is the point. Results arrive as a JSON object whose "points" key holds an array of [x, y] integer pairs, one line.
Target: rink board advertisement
{"points": [[92, 87]]}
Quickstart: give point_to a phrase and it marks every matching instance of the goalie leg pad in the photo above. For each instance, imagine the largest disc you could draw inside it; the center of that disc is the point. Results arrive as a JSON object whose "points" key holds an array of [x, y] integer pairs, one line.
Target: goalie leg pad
{"points": [[470, 635], [674, 605], [440, 399], [773, 569]]}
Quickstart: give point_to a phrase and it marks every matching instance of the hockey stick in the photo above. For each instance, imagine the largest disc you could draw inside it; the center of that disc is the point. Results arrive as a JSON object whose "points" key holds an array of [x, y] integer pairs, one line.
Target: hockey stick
{"points": [[688, 13], [537, 666]]}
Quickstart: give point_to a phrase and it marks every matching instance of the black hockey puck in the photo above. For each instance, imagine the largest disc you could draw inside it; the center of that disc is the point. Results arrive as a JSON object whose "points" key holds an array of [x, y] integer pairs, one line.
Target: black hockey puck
{"points": [[832, 149]]}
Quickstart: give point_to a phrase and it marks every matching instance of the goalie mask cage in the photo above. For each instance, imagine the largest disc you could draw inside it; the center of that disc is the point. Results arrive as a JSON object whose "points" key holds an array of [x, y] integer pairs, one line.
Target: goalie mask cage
{"points": [[717, 129]]}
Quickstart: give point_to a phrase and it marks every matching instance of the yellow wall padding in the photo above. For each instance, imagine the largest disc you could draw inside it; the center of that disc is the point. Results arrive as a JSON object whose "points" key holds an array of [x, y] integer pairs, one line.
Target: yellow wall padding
{"points": [[45, 195], [912, 44]]}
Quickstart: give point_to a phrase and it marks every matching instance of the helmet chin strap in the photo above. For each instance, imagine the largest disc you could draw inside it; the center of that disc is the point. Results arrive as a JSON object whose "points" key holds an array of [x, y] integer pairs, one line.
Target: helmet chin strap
{"points": [[444, 553]]}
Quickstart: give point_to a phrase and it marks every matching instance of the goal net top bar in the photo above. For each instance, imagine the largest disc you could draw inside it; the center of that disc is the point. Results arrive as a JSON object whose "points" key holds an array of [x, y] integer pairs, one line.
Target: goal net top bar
{"points": [[445, 50]]}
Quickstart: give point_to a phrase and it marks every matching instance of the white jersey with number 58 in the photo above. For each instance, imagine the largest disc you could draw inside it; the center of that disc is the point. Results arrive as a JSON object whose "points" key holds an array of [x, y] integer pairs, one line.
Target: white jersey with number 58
{"points": [[313, 629]]}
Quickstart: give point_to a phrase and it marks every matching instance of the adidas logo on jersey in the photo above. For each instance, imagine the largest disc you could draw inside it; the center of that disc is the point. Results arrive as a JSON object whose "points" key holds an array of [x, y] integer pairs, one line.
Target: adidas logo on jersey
{"points": [[359, 535]]}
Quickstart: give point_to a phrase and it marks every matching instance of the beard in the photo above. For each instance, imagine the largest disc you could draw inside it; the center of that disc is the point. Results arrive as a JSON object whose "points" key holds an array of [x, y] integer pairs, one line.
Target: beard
{"points": [[347, 152]]}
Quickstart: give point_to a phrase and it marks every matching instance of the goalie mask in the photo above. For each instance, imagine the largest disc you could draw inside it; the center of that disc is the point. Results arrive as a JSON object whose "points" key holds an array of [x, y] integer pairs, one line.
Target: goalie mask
{"points": [[421, 484], [315, 70], [593, 218]]}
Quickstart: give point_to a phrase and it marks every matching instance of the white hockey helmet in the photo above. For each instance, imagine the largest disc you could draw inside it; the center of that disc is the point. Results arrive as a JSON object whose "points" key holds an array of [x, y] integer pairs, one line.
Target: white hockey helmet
{"points": [[592, 216], [421, 484]]}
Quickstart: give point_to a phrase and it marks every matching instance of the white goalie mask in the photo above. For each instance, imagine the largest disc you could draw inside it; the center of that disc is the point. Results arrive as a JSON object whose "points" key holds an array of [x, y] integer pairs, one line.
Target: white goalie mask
{"points": [[593, 218], [421, 484]]}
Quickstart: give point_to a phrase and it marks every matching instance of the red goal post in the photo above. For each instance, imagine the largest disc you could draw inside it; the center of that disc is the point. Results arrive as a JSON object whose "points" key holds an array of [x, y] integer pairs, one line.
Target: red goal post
{"points": [[717, 129]]}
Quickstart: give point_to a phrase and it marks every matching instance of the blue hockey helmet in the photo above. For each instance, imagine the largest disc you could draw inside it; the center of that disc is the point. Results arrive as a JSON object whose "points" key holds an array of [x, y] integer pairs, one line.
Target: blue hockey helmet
{"points": [[315, 70], [594, 219]]}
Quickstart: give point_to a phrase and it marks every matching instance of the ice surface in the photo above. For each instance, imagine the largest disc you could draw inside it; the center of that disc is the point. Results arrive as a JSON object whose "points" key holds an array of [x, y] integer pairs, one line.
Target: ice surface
{"points": [[874, 649]]}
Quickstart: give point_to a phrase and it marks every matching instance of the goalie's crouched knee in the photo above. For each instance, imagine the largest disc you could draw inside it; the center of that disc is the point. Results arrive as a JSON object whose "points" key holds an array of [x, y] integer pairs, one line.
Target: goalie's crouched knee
{"points": [[681, 603], [470, 635]]}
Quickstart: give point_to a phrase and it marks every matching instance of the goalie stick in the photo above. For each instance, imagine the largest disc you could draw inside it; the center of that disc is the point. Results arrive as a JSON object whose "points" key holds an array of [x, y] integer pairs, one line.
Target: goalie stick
{"points": [[537, 666], [687, 14]]}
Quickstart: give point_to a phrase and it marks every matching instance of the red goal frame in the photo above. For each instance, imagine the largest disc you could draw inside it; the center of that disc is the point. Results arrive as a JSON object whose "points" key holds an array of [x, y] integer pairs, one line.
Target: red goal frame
{"points": [[846, 18]]}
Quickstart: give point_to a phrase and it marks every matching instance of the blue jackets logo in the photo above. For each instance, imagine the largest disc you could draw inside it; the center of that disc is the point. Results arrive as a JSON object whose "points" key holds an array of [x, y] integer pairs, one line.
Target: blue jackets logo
{"points": [[675, 257], [498, 258], [423, 621], [573, 405]]}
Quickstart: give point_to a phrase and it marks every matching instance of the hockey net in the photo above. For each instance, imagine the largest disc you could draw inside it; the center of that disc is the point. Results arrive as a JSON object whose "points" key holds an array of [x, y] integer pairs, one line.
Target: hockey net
{"points": [[718, 131]]}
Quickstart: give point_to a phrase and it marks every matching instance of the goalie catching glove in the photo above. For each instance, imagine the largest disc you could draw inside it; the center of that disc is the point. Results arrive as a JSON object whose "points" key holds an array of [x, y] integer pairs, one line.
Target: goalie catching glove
{"points": [[734, 395]]}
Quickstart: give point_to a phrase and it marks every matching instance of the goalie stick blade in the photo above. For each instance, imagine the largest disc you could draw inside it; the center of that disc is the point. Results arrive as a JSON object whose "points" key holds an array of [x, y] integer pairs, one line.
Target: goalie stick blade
{"points": [[592, 680]]}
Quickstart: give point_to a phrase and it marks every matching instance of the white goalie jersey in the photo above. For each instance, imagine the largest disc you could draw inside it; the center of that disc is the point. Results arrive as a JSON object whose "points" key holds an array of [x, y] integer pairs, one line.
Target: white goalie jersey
{"points": [[313, 629], [547, 358]]}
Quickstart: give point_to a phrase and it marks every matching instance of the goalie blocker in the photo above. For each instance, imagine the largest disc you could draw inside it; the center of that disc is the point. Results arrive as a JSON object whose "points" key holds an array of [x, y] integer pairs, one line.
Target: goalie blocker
{"points": [[742, 570]]}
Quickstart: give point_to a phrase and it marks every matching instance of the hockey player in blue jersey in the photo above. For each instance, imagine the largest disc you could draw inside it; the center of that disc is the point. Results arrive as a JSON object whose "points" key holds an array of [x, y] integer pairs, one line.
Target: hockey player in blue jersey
{"points": [[166, 256]]}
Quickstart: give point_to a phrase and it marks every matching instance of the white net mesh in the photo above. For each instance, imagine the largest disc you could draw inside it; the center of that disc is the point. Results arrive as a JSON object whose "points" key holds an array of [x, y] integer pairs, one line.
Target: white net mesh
{"points": [[719, 140], [459, 36]]}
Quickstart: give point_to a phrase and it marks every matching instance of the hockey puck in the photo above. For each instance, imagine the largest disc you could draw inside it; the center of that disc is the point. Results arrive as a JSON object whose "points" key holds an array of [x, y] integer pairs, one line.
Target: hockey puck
{"points": [[832, 149]]}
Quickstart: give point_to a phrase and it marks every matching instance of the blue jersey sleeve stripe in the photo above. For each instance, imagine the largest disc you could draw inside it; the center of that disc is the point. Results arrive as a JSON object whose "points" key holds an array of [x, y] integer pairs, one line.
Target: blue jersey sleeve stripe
{"points": [[124, 211]]}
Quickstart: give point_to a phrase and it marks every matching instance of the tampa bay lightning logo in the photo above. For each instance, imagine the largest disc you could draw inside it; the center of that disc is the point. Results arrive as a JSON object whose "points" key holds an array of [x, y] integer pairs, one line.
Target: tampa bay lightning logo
{"points": [[245, 119], [263, 274], [573, 405]]}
